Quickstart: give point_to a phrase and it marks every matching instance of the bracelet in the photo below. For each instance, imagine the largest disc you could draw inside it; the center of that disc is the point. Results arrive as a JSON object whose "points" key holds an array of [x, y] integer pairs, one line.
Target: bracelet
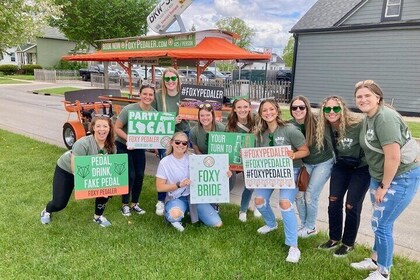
{"points": [[178, 185], [382, 186]]}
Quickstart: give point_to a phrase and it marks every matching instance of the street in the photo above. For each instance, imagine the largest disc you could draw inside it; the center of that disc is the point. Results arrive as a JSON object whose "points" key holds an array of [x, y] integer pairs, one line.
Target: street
{"points": [[42, 117]]}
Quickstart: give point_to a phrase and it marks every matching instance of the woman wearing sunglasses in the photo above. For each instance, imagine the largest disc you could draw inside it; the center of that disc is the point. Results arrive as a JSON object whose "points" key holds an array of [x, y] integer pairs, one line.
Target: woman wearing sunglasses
{"points": [[100, 141], [167, 100], [136, 157], [241, 120], [273, 131], [340, 129], [318, 164], [172, 177], [395, 179]]}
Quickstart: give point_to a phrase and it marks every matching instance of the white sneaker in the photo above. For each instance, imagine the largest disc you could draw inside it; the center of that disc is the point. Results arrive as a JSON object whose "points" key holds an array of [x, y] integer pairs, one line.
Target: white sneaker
{"points": [[242, 216], [266, 229], [45, 217], [376, 275], [178, 226], [102, 221], [257, 213], [305, 232], [160, 208], [366, 264], [294, 255]]}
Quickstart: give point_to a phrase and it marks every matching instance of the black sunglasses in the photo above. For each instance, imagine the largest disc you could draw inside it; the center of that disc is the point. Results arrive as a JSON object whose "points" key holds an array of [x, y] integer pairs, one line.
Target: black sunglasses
{"points": [[178, 142], [300, 107], [335, 109], [173, 78]]}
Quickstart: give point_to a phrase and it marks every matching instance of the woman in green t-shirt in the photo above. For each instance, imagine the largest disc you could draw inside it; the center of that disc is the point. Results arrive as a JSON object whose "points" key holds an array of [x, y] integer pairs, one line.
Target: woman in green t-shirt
{"points": [[241, 120], [167, 100], [100, 141], [340, 128], [395, 180]]}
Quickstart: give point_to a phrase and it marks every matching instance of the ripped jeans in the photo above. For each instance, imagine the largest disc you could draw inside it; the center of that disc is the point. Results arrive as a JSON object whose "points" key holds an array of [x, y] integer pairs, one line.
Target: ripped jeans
{"points": [[354, 182], [401, 192], [307, 202], [290, 224]]}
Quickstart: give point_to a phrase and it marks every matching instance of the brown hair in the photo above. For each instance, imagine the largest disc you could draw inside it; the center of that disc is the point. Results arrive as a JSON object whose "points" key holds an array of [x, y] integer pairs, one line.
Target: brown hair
{"points": [[310, 120], [208, 107], [109, 141], [232, 120], [261, 125]]}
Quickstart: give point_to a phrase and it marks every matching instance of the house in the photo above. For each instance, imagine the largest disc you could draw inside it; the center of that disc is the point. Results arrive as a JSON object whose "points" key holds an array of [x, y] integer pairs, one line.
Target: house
{"points": [[341, 42], [275, 63], [46, 50]]}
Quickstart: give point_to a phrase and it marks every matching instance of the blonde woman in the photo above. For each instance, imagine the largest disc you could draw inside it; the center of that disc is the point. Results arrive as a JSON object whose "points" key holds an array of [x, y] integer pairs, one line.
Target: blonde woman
{"points": [[167, 100], [340, 128]]}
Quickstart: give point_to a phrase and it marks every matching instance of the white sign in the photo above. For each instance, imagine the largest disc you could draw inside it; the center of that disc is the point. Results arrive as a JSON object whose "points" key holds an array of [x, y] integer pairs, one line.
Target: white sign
{"points": [[163, 15], [268, 168], [209, 180]]}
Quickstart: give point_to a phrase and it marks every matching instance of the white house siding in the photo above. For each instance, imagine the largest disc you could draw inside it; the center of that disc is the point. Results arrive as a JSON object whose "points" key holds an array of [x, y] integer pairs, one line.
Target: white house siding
{"points": [[331, 63]]}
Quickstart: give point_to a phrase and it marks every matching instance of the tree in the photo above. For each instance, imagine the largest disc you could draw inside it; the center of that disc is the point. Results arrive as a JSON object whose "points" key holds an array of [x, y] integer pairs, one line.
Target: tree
{"points": [[87, 21], [22, 20], [288, 52], [238, 26]]}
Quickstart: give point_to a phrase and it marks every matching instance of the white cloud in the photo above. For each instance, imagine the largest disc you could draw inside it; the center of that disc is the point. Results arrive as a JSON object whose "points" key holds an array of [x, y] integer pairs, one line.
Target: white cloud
{"points": [[271, 19]]}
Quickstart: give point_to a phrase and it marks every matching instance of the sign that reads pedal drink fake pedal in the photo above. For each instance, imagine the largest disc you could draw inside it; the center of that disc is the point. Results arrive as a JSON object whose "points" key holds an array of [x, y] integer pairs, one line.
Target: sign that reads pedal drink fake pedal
{"points": [[149, 130], [100, 175], [230, 143], [209, 180], [268, 168]]}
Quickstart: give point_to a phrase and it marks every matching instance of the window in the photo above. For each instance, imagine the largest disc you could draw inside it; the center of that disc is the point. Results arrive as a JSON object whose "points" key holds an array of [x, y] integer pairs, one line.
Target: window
{"points": [[392, 10], [13, 57]]}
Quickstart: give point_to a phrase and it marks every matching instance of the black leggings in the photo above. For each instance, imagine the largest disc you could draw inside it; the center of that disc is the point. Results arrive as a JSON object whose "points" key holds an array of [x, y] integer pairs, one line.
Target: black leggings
{"points": [[63, 184]]}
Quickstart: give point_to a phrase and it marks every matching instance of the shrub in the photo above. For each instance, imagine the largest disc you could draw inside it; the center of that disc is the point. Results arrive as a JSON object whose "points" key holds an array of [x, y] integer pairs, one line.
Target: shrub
{"points": [[70, 65], [8, 69], [1, 74], [29, 68]]}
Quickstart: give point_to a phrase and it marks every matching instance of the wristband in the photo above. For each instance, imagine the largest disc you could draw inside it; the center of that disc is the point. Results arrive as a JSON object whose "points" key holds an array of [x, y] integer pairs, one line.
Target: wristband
{"points": [[382, 186], [177, 185]]}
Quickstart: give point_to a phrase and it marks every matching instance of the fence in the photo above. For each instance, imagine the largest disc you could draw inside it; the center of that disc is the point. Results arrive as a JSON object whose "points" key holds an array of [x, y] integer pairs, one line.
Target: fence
{"points": [[52, 76]]}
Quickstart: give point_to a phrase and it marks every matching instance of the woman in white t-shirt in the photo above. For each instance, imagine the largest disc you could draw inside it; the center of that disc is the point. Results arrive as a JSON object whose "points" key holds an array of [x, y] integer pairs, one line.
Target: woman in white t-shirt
{"points": [[173, 177]]}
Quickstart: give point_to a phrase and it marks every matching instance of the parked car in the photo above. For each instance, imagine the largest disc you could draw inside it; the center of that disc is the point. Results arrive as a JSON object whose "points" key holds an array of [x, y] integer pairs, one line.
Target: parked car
{"points": [[137, 76], [191, 75], [85, 72], [212, 75], [284, 75]]}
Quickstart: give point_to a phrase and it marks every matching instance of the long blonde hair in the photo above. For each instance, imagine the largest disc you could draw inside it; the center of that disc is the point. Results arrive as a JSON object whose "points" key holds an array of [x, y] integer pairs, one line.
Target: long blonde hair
{"points": [[347, 118], [164, 90]]}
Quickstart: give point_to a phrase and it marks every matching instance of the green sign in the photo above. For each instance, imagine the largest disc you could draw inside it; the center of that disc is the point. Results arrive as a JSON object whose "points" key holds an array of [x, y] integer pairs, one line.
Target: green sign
{"points": [[231, 143], [150, 130], [100, 175], [209, 179], [137, 44]]}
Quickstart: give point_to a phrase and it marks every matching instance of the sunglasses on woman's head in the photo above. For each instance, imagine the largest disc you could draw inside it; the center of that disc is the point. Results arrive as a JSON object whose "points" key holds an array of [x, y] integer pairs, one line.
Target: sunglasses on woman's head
{"points": [[335, 109], [179, 142], [206, 106], [300, 107], [173, 78], [147, 83]]}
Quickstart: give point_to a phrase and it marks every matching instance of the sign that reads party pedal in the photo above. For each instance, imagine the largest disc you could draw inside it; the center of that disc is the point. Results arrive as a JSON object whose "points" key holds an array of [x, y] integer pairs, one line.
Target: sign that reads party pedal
{"points": [[209, 180], [100, 175], [149, 130], [268, 168]]}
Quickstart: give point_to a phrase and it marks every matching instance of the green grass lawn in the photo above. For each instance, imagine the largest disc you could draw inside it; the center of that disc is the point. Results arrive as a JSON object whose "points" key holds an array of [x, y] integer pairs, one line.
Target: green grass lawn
{"points": [[140, 247], [6, 80], [56, 91], [22, 77]]}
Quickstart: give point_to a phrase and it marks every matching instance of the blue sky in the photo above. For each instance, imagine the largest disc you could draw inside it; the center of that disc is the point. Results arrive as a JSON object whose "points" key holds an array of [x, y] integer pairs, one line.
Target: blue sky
{"points": [[271, 19]]}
